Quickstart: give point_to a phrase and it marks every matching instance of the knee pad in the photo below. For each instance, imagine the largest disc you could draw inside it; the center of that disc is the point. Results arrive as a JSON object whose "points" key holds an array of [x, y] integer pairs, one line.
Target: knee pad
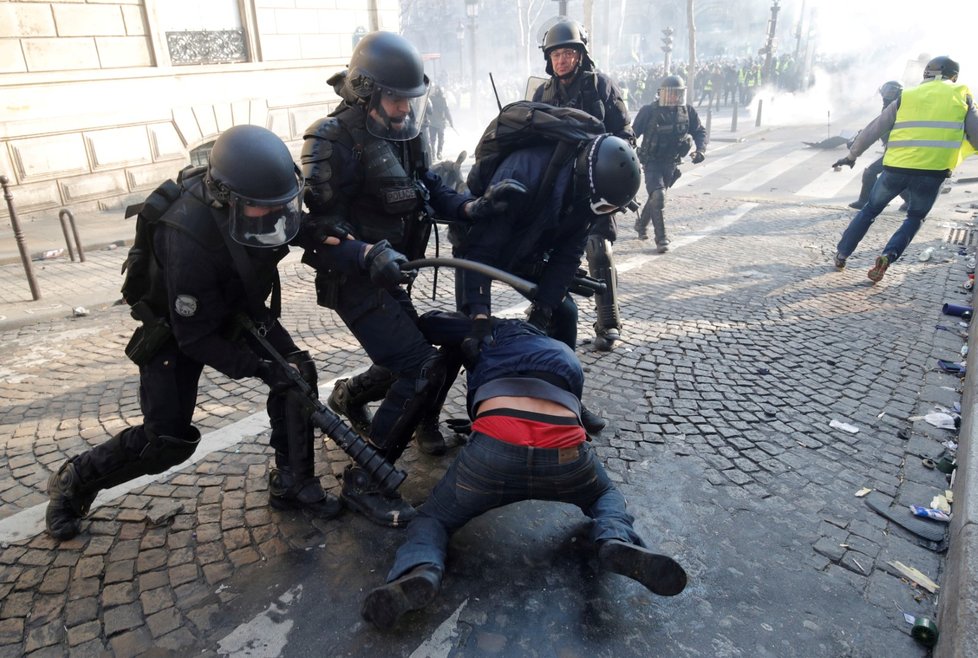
{"points": [[163, 452], [657, 200], [307, 367], [598, 252]]}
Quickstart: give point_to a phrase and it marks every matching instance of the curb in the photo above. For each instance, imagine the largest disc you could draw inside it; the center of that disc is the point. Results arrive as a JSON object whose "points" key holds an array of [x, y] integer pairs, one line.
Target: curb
{"points": [[958, 605]]}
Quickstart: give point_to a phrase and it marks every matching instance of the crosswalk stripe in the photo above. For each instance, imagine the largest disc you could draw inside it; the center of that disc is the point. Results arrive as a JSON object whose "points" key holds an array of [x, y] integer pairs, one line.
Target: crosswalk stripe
{"points": [[829, 183], [769, 172], [712, 166]]}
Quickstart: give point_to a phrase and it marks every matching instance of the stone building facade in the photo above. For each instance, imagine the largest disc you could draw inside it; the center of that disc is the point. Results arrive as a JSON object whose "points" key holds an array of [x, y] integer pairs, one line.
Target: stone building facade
{"points": [[100, 100]]}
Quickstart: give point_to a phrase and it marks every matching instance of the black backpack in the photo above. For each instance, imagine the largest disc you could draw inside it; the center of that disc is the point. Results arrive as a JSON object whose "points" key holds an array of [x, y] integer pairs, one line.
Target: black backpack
{"points": [[139, 263], [525, 124]]}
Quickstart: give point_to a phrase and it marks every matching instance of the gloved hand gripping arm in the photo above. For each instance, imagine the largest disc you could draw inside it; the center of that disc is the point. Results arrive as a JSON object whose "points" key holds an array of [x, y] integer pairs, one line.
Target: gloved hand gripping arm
{"points": [[497, 200]]}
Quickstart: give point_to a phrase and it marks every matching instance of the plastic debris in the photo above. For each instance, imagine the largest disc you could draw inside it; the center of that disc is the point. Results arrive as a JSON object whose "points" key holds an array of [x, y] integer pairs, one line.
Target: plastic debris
{"points": [[925, 254], [930, 513], [845, 427], [80, 311], [862, 492], [941, 420], [940, 502], [52, 254]]}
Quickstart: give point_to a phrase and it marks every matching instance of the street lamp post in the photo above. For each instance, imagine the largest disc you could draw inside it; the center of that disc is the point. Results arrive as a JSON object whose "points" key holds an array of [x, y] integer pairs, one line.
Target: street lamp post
{"points": [[460, 34], [472, 11]]}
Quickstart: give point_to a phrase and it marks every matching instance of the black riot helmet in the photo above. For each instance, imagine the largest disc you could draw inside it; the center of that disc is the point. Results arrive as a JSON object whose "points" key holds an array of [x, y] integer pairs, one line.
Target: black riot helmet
{"points": [[890, 91], [385, 65], [566, 34], [612, 171], [251, 172], [941, 68], [672, 91]]}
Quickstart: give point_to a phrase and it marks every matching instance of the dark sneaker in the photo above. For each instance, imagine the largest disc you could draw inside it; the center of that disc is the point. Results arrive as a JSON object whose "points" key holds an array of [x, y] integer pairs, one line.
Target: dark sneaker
{"points": [[67, 506], [307, 497], [662, 247], [840, 261], [858, 205], [412, 591], [659, 573], [363, 495], [879, 269], [429, 438], [340, 401], [593, 423]]}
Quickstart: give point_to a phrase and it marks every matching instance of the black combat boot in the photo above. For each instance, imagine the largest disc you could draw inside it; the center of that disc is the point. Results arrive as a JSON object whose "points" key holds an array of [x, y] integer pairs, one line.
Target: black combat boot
{"points": [[429, 438], [286, 491], [361, 494], [68, 502], [659, 573], [412, 591], [604, 339], [593, 423], [343, 401]]}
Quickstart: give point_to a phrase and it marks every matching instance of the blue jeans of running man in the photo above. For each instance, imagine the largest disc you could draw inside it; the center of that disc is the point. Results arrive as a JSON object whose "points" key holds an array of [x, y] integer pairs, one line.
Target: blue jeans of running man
{"points": [[489, 473], [923, 190]]}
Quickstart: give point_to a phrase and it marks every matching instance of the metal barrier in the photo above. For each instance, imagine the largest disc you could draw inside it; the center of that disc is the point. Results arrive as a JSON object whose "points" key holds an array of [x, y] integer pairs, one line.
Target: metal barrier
{"points": [[67, 219], [25, 255]]}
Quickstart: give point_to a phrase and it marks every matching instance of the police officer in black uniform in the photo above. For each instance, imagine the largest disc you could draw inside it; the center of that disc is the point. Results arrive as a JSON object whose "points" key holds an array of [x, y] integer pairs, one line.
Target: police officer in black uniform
{"points": [[575, 82], [214, 256], [367, 174], [666, 127]]}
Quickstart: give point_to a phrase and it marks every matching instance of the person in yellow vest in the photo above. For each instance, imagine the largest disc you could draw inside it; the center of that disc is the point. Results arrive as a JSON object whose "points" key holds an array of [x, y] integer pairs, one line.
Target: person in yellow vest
{"points": [[933, 127]]}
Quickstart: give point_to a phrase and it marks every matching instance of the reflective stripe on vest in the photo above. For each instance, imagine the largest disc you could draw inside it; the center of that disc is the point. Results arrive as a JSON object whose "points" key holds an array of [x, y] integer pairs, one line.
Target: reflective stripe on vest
{"points": [[929, 128]]}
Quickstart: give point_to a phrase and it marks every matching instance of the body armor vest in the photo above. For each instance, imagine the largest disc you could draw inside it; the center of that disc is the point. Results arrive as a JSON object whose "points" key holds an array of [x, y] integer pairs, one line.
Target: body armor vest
{"points": [[582, 94], [666, 133], [393, 196]]}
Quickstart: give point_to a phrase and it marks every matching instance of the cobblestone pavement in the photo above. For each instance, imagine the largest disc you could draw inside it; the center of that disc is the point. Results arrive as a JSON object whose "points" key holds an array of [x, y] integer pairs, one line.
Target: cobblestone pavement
{"points": [[740, 347]]}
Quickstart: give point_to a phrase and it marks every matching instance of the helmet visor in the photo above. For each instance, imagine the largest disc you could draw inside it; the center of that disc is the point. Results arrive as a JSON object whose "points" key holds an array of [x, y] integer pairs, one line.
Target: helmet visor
{"points": [[672, 96], [393, 117], [257, 223]]}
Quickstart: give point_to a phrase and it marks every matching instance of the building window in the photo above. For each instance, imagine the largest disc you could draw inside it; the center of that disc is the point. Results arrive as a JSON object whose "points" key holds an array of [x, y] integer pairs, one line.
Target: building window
{"points": [[200, 155], [203, 32]]}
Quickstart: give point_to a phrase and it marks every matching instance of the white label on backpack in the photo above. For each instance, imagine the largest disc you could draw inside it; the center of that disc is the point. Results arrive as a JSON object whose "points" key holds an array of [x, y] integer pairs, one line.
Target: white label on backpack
{"points": [[185, 305]]}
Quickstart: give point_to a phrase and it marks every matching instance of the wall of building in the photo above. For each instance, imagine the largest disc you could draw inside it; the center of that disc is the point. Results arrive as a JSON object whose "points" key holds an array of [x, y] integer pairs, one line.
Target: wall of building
{"points": [[98, 102]]}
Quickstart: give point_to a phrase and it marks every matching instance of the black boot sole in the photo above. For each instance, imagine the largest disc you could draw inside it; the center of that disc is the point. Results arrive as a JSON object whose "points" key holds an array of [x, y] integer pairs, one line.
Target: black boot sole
{"points": [[326, 509], [368, 513], [659, 573], [385, 605]]}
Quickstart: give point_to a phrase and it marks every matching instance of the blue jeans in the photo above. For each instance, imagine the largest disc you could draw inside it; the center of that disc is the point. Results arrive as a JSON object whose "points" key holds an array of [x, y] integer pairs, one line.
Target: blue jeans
{"points": [[923, 191], [489, 473]]}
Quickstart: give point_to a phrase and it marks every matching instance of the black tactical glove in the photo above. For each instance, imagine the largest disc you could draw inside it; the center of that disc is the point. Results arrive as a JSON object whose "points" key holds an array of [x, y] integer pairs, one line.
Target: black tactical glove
{"points": [[698, 157], [383, 263], [497, 200], [320, 227], [480, 335], [273, 375], [541, 317], [843, 161]]}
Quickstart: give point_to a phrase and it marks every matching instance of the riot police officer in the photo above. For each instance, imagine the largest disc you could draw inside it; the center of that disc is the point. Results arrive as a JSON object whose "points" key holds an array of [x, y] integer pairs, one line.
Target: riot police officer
{"points": [[666, 126], [367, 174], [215, 252], [575, 82]]}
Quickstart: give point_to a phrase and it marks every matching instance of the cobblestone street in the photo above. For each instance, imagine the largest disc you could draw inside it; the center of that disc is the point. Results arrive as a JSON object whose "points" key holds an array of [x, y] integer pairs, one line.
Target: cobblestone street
{"points": [[740, 347]]}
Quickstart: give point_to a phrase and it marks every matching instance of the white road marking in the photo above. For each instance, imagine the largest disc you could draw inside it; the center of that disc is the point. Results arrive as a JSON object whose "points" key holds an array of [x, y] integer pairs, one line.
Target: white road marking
{"points": [[769, 172], [442, 638], [829, 183], [708, 166], [265, 635]]}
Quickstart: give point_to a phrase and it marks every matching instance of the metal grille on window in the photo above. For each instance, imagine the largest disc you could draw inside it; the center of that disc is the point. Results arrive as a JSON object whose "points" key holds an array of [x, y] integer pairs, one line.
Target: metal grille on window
{"points": [[206, 47]]}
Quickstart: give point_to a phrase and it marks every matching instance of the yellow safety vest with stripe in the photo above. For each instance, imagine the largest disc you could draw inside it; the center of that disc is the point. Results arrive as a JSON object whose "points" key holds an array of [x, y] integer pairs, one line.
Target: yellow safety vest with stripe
{"points": [[928, 132]]}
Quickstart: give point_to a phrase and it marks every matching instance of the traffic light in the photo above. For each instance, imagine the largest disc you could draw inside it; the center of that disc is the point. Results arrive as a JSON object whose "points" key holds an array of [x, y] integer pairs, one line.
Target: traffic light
{"points": [[667, 39]]}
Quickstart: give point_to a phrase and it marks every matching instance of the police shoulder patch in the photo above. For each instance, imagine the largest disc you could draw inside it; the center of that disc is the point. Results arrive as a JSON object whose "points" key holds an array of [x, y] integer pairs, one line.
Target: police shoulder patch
{"points": [[185, 305]]}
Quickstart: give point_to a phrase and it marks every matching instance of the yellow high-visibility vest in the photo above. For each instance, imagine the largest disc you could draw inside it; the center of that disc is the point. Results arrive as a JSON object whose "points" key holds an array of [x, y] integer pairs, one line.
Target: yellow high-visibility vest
{"points": [[928, 132]]}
